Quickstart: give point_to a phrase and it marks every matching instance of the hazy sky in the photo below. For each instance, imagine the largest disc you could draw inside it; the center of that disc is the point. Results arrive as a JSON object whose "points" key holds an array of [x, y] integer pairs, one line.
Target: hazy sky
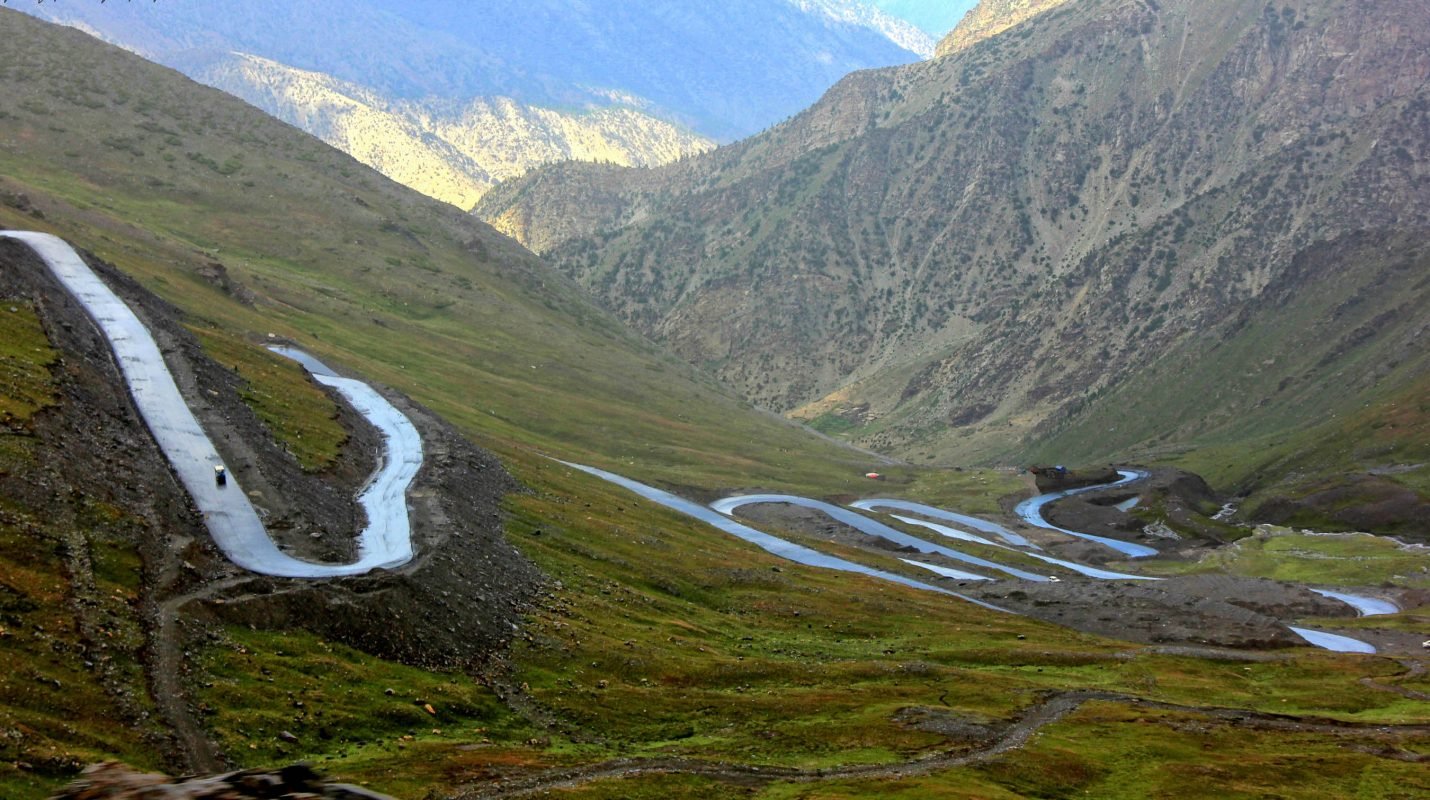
{"points": [[936, 17]]}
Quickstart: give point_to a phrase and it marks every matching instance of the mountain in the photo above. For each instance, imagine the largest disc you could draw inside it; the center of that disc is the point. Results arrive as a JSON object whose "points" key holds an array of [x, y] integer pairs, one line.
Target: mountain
{"points": [[897, 29], [1210, 213], [555, 633], [449, 97], [213, 187]]}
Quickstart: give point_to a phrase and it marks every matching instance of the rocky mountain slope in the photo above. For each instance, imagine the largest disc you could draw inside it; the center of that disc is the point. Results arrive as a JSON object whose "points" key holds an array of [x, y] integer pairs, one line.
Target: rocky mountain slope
{"points": [[449, 97], [1214, 212]]}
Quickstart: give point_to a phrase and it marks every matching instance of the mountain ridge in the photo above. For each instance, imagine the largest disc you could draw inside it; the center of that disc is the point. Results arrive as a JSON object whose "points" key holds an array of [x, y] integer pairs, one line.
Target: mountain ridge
{"points": [[452, 151], [990, 18]]}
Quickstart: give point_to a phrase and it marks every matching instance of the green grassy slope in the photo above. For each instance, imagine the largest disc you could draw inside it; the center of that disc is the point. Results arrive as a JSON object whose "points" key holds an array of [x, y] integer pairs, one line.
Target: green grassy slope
{"points": [[61, 707], [165, 178]]}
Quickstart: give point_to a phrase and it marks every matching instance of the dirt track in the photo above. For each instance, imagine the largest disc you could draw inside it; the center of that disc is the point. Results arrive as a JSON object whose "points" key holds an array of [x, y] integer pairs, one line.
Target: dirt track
{"points": [[1014, 735]]}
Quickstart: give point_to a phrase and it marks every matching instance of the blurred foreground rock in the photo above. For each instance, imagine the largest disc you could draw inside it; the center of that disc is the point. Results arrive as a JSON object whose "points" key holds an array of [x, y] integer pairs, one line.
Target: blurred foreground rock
{"points": [[115, 781]]}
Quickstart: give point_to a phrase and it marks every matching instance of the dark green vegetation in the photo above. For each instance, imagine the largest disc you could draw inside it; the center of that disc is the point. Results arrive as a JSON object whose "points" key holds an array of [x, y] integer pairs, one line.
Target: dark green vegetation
{"points": [[1180, 231], [654, 637]]}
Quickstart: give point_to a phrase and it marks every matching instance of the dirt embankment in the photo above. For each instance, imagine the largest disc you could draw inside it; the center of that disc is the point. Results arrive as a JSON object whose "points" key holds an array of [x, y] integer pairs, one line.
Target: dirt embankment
{"points": [[1213, 610], [1048, 479], [91, 450], [456, 605]]}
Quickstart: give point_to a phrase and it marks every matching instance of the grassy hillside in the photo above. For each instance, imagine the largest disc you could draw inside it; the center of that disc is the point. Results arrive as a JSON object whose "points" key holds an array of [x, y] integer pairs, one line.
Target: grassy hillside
{"points": [[652, 638], [247, 223]]}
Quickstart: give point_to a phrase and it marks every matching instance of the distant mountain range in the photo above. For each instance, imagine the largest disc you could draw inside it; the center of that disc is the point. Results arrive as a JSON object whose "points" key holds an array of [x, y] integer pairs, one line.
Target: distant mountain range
{"points": [[450, 96]]}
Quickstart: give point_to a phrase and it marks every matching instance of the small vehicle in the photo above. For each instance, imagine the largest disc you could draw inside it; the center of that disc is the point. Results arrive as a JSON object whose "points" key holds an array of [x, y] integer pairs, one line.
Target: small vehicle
{"points": [[220, 475]]}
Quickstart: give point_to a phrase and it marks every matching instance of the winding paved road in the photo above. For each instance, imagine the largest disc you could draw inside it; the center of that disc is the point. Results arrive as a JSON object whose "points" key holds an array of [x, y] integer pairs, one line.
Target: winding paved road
{"points": [[771, 544], [1031, 510], [1333, 641], [1365, 606], [387, 540], [808, 556], [873, 528], [1083, 569], [229, 515], [934, 512]]}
